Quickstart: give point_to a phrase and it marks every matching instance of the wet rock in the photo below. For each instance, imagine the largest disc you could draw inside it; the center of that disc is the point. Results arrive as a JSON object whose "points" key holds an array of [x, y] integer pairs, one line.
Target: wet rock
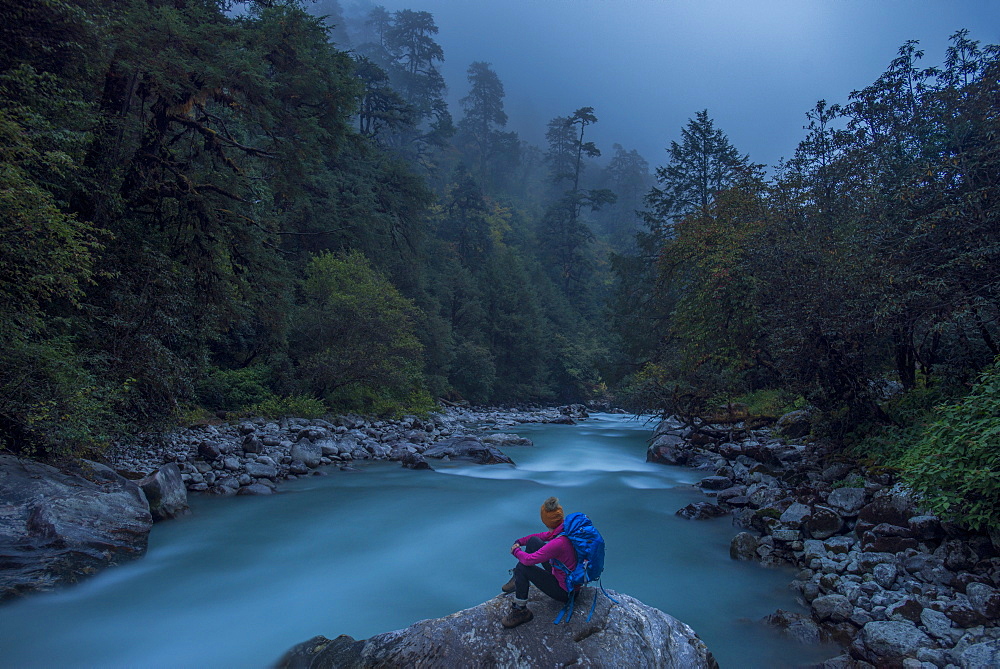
{"points": [[906, 610], [936, 623], [743, 547], [885, 575], [715, 482], [467, 448], [630, 634], [701, 511], [58, 526], [795, 514], [795, 625], [668, 449], [414, 461], [255, 489], [926, 528], [165, 492], [502, 440]]}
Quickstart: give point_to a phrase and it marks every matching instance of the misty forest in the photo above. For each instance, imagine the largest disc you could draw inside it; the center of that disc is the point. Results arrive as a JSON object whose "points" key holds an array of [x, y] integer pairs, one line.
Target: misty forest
{"points": [[214, 211]]}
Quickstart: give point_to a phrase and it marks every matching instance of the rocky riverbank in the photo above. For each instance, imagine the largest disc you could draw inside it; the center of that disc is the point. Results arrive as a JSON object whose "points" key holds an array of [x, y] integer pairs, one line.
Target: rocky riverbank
{"points": [[61, 524], [251, 457], [895, 586]]}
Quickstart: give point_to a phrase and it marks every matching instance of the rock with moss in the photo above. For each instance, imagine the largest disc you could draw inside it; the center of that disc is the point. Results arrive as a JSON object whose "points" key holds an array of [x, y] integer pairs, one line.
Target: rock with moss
{"points": [[627, 634]]}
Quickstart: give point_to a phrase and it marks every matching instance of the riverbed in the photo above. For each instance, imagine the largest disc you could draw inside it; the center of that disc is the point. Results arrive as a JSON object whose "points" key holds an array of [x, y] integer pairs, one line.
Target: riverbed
{"points": [[242, 579]]}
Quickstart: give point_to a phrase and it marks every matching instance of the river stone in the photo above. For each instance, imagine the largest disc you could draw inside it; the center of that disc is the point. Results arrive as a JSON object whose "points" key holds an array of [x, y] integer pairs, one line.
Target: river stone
{"points": [[58, 526], [835, 608], [798, 626], [885, 574], [847, 501], [255, 489], [743, 547], [795, 424], [209, 450], [630, 634], [984, 654], [260, 470], [501, 440], [984, 599], [165, 492], [467, 448], [886, 643], [668, 449], [823, 523], [701, 511], [795, 514], [306, 452], [716, 482], [251, 444], [936, 623]]}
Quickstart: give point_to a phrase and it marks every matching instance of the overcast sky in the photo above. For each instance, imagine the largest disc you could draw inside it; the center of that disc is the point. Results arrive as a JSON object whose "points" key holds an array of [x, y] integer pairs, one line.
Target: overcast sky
{"points": [[646, 66]]}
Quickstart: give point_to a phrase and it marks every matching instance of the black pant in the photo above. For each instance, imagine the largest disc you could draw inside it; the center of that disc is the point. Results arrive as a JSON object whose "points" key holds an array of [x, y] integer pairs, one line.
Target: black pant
{"points": [[543, 579]]}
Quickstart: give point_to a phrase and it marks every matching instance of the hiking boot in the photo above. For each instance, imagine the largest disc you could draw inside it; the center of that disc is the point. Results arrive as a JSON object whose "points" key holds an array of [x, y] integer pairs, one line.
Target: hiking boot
{"points": [[517, 616], [509, 586]]}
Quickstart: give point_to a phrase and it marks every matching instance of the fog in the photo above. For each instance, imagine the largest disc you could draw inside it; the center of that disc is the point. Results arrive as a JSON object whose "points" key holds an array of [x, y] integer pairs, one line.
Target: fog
{"points": [[646, 66]]}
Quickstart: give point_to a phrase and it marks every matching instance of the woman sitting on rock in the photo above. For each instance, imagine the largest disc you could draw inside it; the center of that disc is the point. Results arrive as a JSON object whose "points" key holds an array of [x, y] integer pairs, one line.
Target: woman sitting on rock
{"points": [[534, 554]]}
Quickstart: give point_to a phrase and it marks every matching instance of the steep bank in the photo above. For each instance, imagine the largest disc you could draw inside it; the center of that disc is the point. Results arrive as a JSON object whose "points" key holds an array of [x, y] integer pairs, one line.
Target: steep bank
{"points": [[626, 634], [886, 580]]}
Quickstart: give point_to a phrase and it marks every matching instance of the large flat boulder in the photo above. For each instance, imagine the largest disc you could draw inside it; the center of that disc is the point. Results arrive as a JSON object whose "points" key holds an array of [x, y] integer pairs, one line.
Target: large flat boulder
{"points": [[467, 448], [629, 634], [58, 526]]}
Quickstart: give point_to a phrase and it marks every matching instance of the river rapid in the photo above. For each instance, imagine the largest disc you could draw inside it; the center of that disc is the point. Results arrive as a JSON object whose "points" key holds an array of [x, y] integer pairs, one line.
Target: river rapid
{"points": [[242, 579]]}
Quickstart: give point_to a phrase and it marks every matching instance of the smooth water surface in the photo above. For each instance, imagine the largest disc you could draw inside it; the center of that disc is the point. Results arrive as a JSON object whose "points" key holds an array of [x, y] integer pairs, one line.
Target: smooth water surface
{"points": [[243, 579]]}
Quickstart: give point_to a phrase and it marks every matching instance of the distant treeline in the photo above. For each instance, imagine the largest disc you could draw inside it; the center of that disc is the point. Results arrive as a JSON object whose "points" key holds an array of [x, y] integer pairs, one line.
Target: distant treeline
{"points": [[245, 207]]}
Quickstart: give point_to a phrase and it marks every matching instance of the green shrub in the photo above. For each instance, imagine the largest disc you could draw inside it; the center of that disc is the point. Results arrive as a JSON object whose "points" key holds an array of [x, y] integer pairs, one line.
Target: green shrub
{"points": [[234, 389], [955, 464], [296, 406]]}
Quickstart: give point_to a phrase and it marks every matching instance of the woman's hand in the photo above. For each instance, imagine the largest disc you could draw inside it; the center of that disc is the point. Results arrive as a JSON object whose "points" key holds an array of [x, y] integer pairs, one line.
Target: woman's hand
{"points": [[515, 547]]}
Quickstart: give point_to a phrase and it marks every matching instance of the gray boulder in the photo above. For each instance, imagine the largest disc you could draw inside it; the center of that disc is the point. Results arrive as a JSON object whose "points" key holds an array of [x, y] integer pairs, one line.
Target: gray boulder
{"points": [[984, 599], [847, 501], [798, 626], [744, 546], [308, 453], [984, 654], [501, 440], [886, 643], [668, 449], [795, 424], [165, 492], [627, 635], [58, 526], [702, 511], [822, 523], [467, 448]]}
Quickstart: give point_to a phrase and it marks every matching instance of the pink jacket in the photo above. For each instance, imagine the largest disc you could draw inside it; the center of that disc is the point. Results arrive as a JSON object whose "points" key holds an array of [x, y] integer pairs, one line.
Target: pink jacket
{"points": [[555, 547]]}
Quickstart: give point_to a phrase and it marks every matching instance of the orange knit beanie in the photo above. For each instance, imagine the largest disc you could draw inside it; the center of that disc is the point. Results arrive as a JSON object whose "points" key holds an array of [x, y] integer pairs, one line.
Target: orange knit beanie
{"points": [[552, 513]]}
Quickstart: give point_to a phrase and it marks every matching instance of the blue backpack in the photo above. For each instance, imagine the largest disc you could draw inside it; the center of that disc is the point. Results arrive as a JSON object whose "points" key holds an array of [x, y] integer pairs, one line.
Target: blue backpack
{"points": [[589, 546]]}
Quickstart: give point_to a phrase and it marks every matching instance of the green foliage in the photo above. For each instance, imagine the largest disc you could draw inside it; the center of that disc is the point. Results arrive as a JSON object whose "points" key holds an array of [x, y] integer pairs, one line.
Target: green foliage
{"points": [[235, 389], [297, 406], [353, 339], [955, 463]]}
